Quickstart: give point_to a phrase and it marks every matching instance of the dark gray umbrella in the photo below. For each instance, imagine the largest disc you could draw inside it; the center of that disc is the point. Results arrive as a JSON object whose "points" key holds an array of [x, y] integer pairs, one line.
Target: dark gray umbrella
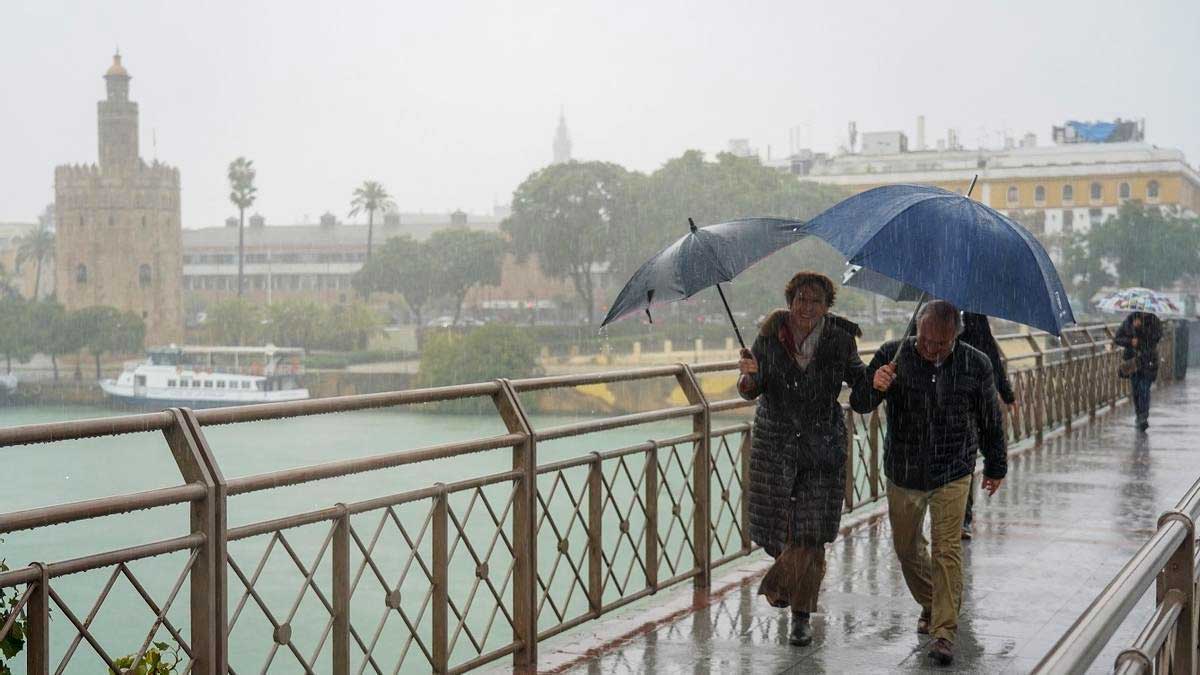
{"points": [[705, 256]]}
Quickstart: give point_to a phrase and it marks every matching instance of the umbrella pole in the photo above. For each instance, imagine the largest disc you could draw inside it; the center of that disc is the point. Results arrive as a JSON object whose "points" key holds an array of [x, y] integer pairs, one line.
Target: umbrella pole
{"points": [[924, 295], [731, 319]]}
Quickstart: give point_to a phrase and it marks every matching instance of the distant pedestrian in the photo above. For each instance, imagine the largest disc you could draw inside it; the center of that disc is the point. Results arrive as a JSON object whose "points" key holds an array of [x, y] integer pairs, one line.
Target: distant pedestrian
{"points": [[977, 332], [941, 411], [1139, 335], [797, 478]]}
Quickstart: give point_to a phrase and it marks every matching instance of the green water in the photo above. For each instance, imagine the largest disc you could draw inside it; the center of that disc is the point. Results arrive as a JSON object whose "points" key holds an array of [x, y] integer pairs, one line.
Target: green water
{"points": [[42, 475]]}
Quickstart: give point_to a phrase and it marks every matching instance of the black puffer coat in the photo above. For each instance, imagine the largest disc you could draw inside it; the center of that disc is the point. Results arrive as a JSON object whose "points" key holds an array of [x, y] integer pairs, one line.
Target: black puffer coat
{"points": [[1148, 335], [938, 417], [798, 454]]}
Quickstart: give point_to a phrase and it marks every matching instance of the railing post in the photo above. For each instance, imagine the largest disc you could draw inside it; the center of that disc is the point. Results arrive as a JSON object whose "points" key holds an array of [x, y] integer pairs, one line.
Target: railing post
{"points": [[744, 499], [341, 593], [652, 516], [1039, 390], [849, 486], [1067, 383], [1092, 375], [525, 534], [439, 543], [1180, 576], [595, 534], [209, 594], [701, 476], [37, 629]]}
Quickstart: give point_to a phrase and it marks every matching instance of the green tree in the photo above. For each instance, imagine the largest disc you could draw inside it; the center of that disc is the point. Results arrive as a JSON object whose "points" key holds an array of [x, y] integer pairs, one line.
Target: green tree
{"points": [[37, 245], [351, 326], [17, 339], [109, 330], [234, 321], [402, 266], [297, 323], [370, 197], [56, 331], [242, 194], [464, 259], [1083, 272], [488, 353], [574, 217], [1147, 247]]}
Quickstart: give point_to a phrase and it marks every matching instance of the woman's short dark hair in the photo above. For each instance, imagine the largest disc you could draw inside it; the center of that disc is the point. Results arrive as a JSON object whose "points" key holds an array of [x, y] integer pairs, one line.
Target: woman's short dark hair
{"points": [[812, 280]]}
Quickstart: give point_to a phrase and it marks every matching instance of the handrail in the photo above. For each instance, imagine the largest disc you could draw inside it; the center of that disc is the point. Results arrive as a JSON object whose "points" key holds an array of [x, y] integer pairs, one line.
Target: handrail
{"points": [[704, 471]]}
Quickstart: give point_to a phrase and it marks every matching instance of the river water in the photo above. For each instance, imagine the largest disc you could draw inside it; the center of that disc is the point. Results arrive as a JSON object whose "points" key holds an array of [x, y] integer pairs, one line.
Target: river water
{"points": [[42, 475]]}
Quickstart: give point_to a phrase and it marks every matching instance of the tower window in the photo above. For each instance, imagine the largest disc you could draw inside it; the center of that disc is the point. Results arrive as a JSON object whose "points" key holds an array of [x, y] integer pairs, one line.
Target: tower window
{"points": [[1096, 192], [81, 274], [1068, 222], [1068, 193], [1039, 194], [1123, 190], [143, 276], [1012, 194], [81, 220], [1152, 190]]}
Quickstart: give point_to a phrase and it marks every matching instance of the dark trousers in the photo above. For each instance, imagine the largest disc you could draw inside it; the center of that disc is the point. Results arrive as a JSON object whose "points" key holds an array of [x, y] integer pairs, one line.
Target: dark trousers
{"points": [[970, 514], [1140, 385]]}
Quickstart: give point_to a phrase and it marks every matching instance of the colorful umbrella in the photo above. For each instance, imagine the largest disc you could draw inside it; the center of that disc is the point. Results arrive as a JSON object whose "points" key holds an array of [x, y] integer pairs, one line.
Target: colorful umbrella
{"points": [[1138, 300]]}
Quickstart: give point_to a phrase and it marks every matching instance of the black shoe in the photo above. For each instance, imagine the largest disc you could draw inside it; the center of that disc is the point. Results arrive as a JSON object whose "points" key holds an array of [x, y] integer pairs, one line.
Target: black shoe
{"points": [[1143, 425], [941, 651], [802, 634]]}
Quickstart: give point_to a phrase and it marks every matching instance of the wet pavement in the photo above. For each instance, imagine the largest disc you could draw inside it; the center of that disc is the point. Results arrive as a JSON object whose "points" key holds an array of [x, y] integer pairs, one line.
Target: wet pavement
{"points": [[1069, 516]]}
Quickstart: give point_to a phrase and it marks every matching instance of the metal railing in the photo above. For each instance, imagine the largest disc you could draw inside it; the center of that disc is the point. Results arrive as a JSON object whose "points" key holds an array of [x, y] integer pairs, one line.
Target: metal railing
{"points": [[488, 565], [1168, 641]]}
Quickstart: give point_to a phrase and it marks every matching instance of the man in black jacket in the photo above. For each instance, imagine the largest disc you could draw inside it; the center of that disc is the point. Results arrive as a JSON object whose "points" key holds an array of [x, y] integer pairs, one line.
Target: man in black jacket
{"points": [[942, 410], [1139, 335]]}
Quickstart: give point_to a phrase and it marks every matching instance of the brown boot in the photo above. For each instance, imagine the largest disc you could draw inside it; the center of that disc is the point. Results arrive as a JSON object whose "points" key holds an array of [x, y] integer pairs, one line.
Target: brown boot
{"points": [[941, 651]]}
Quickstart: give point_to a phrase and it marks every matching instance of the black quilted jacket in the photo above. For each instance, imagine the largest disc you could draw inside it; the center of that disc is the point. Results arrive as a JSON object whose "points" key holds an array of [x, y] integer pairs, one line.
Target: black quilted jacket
{"points": [[798, 453], [937, 417]]}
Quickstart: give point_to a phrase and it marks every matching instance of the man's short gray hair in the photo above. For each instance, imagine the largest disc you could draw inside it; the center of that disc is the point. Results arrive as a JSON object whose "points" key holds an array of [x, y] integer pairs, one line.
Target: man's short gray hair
{"points": [[942, 311]]}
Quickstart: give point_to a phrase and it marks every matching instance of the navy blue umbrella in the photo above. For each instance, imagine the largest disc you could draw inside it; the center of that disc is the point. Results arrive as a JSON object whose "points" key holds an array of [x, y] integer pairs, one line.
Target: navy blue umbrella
{"points": [[704, 257], [950, 247]]}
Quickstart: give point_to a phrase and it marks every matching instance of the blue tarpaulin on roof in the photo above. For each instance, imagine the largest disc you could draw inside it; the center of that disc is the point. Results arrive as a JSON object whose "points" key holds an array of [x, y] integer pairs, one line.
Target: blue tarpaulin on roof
{"points": [[1093, 132]]}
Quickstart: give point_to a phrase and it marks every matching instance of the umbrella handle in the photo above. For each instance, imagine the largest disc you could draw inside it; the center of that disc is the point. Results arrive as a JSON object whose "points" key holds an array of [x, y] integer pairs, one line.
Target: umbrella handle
{"points": [[731, 319]]}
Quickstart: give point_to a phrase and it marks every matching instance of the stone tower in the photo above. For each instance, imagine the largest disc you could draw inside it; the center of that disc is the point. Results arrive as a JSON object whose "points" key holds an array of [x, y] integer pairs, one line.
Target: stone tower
{"points": [[562, 142], [119, 239]]}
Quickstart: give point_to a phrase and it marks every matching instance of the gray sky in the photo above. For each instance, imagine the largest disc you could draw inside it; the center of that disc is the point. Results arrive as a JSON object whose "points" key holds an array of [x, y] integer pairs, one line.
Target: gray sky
{"points": [[452, 104]]}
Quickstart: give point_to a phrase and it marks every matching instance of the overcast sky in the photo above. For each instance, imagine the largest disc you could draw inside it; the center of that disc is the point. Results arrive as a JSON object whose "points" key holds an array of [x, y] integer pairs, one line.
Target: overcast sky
{"points": [[451, 104]]}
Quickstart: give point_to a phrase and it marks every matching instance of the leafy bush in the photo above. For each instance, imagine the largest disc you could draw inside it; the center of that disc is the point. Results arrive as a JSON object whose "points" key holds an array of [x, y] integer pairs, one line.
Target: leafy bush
{"points": [[14, 642], [159, 659], [488, 353]]}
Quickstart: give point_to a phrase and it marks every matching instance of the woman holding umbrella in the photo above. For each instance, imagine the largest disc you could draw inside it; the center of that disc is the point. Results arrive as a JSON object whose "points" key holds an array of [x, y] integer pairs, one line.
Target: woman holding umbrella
{"points": [[796, 487]]}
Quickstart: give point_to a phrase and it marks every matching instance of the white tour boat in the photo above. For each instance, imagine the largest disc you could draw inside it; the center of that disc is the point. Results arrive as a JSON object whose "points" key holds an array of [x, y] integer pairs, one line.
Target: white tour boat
{"points": [[207, 377]]}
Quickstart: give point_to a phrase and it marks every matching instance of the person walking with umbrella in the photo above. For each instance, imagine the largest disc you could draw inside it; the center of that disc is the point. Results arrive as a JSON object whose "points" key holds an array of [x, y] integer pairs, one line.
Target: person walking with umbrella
{"points": [[1139, 335], [941, 412], [795, 370], [977, 332]]}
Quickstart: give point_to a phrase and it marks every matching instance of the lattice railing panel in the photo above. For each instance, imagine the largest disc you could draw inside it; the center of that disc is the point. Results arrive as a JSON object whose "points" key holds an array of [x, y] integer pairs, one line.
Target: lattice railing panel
{"points": [[563, 545], [480, 570], [623, 508], [726, 490], [391, 589], [676, 509]]}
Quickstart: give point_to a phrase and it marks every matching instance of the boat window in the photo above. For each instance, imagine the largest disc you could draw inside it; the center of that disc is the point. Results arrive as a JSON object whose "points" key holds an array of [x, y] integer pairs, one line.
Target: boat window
{"points": [[139, 380], [208, 384], [246, 384], [170, 383], [220, 384], [185, 383]]}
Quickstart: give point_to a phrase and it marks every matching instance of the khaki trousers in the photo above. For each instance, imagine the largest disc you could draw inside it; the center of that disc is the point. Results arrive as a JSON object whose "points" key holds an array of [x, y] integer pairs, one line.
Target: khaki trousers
{"points": [[934, 583]]}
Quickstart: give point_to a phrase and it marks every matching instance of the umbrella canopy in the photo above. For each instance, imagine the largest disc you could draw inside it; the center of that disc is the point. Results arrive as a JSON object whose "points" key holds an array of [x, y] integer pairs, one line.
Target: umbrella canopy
{"points": [[950, 247], [870, 280], [1139, 300], [704, 257]]}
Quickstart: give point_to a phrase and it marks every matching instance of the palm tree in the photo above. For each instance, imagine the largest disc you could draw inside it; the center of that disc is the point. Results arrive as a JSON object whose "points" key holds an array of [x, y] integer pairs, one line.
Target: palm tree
{"points": [[36, 245], [241, 183], [371, 197]]}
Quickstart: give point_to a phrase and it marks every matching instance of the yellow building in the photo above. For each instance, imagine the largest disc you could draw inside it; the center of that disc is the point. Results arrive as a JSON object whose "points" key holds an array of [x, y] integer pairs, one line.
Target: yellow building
{"points": [[1056, 189]]}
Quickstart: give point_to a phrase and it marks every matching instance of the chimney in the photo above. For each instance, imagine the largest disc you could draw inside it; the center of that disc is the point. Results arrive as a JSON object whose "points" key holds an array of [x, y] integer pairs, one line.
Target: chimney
{"points": [[920, 132]]}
